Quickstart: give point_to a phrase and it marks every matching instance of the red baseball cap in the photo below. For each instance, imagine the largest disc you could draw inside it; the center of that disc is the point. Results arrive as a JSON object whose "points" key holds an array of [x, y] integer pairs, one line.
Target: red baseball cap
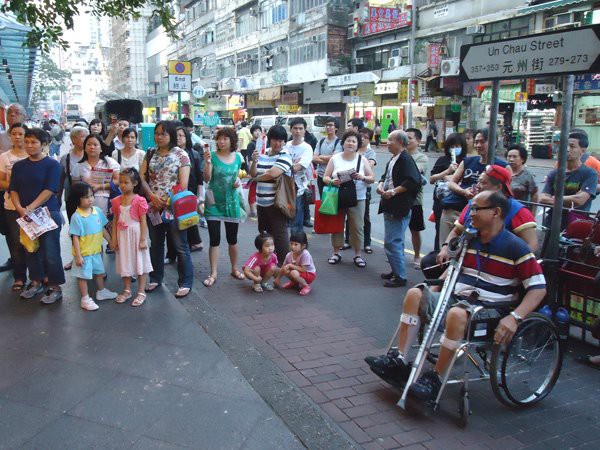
{"points": [[501, 174]]}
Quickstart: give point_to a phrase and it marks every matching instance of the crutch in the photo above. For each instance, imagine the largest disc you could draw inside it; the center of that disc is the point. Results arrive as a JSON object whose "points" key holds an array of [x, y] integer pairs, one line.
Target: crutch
{"points": [[438, 315]]}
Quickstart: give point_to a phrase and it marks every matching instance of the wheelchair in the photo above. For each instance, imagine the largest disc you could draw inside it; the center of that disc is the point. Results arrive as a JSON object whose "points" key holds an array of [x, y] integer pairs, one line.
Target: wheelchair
{"points": [[521, 373]]}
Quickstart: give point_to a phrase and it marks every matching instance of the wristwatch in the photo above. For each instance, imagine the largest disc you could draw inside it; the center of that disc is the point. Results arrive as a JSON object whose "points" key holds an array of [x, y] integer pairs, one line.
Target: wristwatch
{"points": [[517, 317]]}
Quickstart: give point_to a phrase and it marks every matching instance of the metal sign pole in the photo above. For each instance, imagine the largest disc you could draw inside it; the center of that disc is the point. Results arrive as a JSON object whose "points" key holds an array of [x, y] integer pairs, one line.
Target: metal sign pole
{"points": [[179, 105], [493, 121], [565, 126]]}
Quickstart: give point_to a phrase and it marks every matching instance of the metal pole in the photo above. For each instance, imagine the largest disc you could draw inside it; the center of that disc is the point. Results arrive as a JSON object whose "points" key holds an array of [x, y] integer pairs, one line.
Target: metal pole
{"points": [[413, 31], [565, 126], [493, 121], [518, 128], [179, 105]]}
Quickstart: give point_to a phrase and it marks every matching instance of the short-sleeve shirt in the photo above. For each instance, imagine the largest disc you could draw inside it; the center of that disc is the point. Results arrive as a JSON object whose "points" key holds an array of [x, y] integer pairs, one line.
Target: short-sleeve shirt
{"points": [[305, 260], [134, 160], [265, 190], [327, 147], [88, 226], [421, 161], [523, 185], [256, 260], [7, 160], [302, 152], [29, 178], [591, 162], [71, 169], [84, 171], [519, 218], [581, 179], [499, 270], [163, 171], [473, 168]]}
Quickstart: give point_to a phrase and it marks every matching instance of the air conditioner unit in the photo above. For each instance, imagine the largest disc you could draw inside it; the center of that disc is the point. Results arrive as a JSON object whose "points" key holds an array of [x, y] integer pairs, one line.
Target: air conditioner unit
{"points": [[359, 61], [404, 52], [476, 29], [254, 11], [450, 67], [314, 38], [393, 62]]}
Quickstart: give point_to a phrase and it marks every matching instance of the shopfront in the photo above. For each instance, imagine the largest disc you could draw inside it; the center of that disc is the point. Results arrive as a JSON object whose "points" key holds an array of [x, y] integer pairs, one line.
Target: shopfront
{"points": [[586, 107]]}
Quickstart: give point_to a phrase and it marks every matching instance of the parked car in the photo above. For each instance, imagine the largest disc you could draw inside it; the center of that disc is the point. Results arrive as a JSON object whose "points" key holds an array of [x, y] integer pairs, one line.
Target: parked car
{"points": [[264, 121], [315, 123], [208, 132]]}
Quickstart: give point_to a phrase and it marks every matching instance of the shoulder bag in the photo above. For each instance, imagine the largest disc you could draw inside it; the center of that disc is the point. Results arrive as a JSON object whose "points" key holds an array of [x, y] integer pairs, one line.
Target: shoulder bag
{"points": [[347, 193], [285, 195]]}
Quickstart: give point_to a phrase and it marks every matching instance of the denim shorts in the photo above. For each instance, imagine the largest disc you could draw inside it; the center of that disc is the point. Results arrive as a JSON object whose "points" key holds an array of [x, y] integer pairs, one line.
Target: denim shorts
{"points": [[92, 265]]}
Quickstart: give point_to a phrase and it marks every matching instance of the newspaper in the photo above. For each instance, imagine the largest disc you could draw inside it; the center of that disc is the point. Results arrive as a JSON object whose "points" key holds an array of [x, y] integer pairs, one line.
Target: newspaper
{"points": [[37, 222], [346, 175], [100, 176]]}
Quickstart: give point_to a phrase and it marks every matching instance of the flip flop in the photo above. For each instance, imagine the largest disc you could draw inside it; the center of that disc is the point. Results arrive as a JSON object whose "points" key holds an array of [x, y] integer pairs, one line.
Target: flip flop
{"points": [[368, 250], [18, 286], [197, 248], [210, 280], [152, 286], [139, 299], [182, 292], [238, 275]]}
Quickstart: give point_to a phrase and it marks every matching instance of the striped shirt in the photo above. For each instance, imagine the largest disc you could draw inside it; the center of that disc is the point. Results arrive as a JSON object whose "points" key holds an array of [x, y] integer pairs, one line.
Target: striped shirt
{"points": [[265, 190], [518, 218], [499, 270]]}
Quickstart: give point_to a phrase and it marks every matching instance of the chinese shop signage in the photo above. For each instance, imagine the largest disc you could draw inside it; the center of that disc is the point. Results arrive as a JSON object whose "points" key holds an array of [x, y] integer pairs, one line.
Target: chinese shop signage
{"points": [[385, 19]]}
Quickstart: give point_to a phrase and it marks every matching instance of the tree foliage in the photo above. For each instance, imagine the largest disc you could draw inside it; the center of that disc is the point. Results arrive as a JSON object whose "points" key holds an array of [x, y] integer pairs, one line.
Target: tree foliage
{"points": [[49, 18], [50, 78]]}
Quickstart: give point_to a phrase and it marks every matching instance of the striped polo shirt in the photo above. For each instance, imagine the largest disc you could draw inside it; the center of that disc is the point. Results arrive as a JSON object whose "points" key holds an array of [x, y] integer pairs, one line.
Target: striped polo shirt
{"points": [[499, 270], [265, 190]]}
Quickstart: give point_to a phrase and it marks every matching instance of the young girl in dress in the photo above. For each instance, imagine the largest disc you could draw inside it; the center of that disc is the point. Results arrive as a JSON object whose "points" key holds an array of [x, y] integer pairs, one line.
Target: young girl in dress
{"points": [[130, 236], [262, 265], [298, 266]]}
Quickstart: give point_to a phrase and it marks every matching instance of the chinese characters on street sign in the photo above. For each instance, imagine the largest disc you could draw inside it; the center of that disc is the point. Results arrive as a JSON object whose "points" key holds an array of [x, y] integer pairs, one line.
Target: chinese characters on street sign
{"points": [[180, 76]]}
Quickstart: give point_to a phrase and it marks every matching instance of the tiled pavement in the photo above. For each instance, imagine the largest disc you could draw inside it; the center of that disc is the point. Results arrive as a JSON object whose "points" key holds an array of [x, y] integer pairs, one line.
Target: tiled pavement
{"points": [[319, 342]]}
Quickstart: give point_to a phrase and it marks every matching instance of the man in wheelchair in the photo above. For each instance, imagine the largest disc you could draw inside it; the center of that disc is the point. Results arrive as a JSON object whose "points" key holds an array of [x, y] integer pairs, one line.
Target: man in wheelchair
{"points": [[497, 268]]}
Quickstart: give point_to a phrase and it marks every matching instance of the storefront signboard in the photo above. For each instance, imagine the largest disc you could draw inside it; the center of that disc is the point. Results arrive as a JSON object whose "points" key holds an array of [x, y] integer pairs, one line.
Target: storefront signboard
{"points": [[544, 88], [273, 93], [434, 57], [386, 88], [441, 10], [235, 101], [403, 92], [554, 53], [385, 19], [589, 82], [427, 101]]}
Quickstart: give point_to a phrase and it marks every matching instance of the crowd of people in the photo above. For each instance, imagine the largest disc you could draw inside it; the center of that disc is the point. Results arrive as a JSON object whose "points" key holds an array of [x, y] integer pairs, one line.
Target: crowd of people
{"points": [[114, 192]]}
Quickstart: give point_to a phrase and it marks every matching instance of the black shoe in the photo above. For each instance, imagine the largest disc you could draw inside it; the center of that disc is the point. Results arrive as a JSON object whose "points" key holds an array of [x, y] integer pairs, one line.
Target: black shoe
{"points": [[309, 224], [390, 367], [426, 388], [6, 266], [387, 276], [395, 282]]}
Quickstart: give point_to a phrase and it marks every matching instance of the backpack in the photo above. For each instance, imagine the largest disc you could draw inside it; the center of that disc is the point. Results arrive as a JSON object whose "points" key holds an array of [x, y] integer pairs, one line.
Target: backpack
{"points": [[337, 140], [185, 208]]}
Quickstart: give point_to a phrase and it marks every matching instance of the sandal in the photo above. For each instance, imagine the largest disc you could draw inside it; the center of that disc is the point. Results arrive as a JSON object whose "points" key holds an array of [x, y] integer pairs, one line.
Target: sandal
{"points": [[68, 266], [256, 287], [238, 275], [123, 296], [359, 262], [18, 286], [139, 299], [335, 258], [197, 248], [368, 250], [210, 280], [152, 286], [346, 246], [182, 292]]}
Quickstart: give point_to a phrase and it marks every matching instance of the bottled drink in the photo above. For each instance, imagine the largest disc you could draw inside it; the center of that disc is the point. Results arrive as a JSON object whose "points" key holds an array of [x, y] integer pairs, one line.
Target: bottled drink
{"points": [[561, 318]]}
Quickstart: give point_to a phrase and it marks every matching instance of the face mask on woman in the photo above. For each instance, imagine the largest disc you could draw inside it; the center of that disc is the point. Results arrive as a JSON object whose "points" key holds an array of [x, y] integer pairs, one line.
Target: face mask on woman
{"points": [[456, 150]]}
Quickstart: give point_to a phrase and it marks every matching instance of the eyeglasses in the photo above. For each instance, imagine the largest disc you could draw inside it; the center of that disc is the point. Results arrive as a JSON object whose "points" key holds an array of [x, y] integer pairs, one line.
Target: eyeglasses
{"points": [[475, 209], [330, 125]]}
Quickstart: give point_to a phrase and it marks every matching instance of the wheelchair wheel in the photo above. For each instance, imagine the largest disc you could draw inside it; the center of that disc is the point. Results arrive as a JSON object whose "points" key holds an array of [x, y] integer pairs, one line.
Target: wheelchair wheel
{"points": [[524, 371]]}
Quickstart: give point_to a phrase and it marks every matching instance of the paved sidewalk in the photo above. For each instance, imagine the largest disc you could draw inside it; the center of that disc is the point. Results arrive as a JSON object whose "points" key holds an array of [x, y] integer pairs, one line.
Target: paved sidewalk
{"points": [[122, 377]]}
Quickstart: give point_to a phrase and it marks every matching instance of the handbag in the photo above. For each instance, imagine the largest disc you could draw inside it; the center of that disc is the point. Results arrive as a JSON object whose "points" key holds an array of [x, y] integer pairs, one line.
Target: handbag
{"points": [[347, 194], [285, 196], [328, 224], [328, 204]]}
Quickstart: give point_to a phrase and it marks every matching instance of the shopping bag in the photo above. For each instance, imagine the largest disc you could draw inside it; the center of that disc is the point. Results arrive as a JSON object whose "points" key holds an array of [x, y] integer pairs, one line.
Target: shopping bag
{"points": [[328, 224], [329, 201]]}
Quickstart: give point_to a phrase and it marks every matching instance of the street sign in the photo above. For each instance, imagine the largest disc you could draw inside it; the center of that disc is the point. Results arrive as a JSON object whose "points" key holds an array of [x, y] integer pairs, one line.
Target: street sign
{"points": [[180, 76], [211, 119], [520, 107], [553, 53], [199, 91], [521, 97]]}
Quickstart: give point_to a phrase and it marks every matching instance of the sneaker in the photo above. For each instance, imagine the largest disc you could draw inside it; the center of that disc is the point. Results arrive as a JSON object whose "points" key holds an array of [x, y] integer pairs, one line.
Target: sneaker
{"points": [[305, 290], [390, 365], [105, 294], [32, 290], [88, 304], [427, 387], [267, 286], [51, 296], [395, 282]]}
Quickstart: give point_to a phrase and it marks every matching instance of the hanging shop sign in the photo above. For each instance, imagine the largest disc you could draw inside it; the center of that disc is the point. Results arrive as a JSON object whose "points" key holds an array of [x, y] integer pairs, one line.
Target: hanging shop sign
{"points": [[403, 91], [554, 53], [544, 88], [385, 19], [386, 88], [434, 57], [235, 101], [589, 82]]}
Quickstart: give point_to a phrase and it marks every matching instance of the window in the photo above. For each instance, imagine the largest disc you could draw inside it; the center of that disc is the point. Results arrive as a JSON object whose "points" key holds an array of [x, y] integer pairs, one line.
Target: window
{"points": [[300, 6], [307, 48], [246, 21], [505, 29], [247, 63], [378, 57]]}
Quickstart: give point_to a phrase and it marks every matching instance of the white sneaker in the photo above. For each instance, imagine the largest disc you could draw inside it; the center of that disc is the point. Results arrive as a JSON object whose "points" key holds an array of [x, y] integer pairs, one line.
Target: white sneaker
{"points": [[105, 294], [88, 304]]}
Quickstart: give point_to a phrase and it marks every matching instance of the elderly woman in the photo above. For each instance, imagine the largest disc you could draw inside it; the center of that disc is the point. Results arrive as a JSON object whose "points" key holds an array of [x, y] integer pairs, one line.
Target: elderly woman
{"points": [[266, 169], [522, 184], [221, 170], [362, 175], [163, 168]]}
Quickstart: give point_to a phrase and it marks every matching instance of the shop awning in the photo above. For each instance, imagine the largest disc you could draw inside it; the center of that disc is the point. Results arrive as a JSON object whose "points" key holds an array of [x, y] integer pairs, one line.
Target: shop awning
{"points": [[343, 82], [547, 5], [343, 88], [507, 93], [18, 62]]}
